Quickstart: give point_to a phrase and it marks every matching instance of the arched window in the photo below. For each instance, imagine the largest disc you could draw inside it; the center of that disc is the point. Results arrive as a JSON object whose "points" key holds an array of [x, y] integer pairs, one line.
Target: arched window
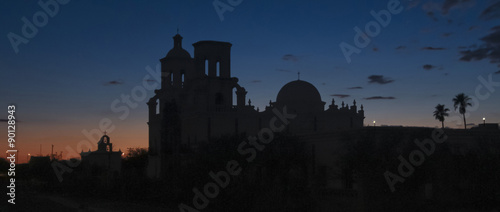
{"points": [[158, 106], [171, 77], [182, 77], [235, 97], [217, 68], [206, 67]]}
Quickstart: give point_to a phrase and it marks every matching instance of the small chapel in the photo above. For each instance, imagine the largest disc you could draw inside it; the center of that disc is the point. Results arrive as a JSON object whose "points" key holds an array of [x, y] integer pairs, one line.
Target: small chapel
{"points": [[104, 157]]}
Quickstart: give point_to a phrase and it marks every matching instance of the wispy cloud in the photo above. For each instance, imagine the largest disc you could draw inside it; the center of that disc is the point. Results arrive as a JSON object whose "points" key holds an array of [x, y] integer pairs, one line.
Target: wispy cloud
{"points": [[473, 28], [448, 34], [431, 15], [341, 95], [380, 79], [400, 47], [449, 4], [433, 48], [380, 98], [491, 12], [290, 57], [113, 82], [357, 87]]}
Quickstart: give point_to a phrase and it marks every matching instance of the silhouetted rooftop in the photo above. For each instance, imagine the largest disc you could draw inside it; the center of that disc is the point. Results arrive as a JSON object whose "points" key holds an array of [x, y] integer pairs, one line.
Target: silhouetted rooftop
{"points": [[298, 91]]}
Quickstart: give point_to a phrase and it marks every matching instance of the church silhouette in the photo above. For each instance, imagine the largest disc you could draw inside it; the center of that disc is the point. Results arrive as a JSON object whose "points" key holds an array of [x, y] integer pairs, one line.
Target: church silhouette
{"points": [[195, 104]]}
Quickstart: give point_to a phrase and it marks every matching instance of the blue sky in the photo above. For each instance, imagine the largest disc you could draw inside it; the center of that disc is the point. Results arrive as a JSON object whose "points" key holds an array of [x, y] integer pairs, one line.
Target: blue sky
{"points": [[65, 78]]}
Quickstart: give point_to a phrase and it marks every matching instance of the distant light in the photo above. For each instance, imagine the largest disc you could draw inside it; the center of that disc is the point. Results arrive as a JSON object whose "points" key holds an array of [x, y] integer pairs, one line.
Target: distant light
{"points": [[484, 119], [123, 153]]}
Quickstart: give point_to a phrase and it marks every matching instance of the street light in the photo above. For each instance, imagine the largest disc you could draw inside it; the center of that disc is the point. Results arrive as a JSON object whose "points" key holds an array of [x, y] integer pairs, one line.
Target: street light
{"points": [[374, 123], [484, 121], [28, 157]]}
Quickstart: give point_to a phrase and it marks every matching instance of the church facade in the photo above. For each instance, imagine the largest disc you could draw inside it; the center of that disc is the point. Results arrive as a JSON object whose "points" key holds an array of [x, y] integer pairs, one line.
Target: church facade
{"points": [[195, 104]]}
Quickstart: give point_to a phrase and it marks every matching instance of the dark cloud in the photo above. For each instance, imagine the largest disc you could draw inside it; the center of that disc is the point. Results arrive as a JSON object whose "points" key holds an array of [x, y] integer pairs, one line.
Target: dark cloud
{"points": [[341, 95], [290, 57], [433, 48], [284, 70], [491, 12], [256, 81], [447, 34], [498, 72], [493, 38], [357, 87], [428, 67], [476, 54], [448, 4], [114, 82], [400, 47], [380, 79], [380, 97], [375, 49], [490, 49]]}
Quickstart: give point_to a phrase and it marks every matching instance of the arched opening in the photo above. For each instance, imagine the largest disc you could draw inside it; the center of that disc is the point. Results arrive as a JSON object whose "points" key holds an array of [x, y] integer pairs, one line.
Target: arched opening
{"points": [[158, 106], [206, 67], [182, 77], [171, 77], [217, 68], [235, 97]]}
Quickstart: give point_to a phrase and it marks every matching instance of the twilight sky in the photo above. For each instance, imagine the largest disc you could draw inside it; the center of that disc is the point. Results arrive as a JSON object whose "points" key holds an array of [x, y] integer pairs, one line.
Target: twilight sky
{"points": [[65, 77]]}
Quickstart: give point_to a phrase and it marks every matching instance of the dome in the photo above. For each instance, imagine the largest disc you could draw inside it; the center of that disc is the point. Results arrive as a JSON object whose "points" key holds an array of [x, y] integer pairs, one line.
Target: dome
{"points": [[178, 53], [298, 91]]}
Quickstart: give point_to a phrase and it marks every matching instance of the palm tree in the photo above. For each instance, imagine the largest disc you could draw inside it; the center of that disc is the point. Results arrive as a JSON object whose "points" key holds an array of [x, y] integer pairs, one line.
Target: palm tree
{"points": [[440, 113], [461, 101]]}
